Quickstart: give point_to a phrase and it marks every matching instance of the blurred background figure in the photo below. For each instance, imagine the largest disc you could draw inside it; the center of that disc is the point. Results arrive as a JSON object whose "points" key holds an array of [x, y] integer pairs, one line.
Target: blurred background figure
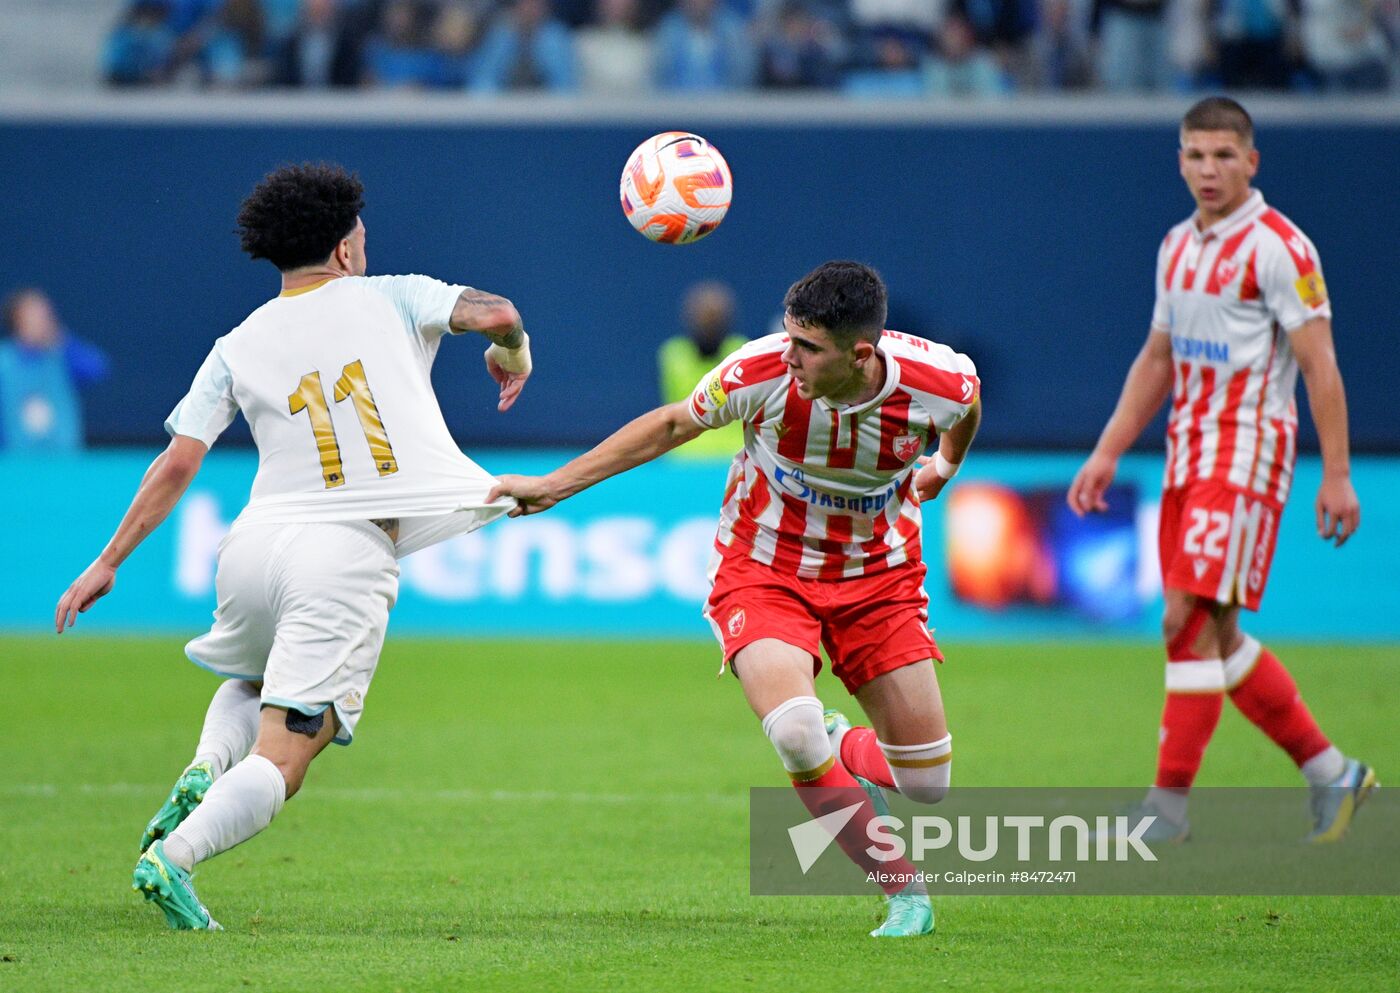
{"points": [[526, 48], [454, 35], [801, 48], [1133, 45], [703, 47], [314, 54], [42, 366], [397, 53], [615, 55], [1060, 48], [959, 67], [682, 361], [1257, 43], [141, 48], [888, 64], [1344, 45]]}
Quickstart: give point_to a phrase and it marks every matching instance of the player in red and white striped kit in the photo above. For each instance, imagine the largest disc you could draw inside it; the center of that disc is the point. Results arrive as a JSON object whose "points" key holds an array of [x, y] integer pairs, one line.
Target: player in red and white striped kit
{"points": [[1241, 308], [818, 543]]}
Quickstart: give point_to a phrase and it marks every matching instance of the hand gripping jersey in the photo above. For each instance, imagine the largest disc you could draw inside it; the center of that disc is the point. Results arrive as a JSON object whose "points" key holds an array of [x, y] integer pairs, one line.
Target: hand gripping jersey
{"points": [[823, 490], [335, 384], [1227, 296]]}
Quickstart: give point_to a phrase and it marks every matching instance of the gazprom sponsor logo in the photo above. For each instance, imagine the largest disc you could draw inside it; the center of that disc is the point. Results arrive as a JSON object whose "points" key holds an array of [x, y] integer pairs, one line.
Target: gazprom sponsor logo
{"points": [[796, 484], [1196, 349]]}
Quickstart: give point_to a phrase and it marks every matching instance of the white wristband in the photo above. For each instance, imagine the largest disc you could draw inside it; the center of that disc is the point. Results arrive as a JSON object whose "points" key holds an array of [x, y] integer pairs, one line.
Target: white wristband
{"points": [[945, 468], [515, 360]]}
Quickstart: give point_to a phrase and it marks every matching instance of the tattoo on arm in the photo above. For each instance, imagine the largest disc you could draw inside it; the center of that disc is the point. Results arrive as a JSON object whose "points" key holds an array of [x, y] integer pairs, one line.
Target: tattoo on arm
{"points": [[477, 310]]}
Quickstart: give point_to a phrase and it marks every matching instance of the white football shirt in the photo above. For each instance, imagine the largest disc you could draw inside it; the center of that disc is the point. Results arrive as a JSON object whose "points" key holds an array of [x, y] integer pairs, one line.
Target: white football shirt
{"points": [[334, 381]]}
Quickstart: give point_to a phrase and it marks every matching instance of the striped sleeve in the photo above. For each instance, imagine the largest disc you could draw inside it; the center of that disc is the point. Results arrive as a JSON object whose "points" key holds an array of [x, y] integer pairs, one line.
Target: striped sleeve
{"points": [[946, 385], [1289, 273], [736, 389]]}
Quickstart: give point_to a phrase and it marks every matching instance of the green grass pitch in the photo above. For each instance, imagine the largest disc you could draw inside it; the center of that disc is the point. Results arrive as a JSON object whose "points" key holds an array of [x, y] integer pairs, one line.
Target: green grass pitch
{"points": [[572, 816]]}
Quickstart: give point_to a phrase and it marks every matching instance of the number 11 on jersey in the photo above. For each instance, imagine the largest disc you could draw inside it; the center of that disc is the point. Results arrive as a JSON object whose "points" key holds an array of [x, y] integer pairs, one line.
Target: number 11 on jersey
{"points": [[352, 384]]}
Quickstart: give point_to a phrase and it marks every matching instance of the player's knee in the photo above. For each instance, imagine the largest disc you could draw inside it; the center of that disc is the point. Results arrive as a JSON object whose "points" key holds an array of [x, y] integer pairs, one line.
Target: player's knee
{"points": [[798, 733], [922, 773]]}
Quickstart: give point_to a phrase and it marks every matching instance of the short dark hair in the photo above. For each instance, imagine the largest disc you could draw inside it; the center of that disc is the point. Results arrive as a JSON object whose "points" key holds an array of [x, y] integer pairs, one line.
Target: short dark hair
{"points": [[298, 214], [848, 299], [1219, 114]]}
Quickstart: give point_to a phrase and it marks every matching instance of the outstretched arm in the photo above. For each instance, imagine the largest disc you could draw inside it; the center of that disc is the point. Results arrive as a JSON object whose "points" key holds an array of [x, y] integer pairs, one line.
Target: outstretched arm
{"points": [[654, 433], [1147, 387], [161, 488], [508, 357], [1338, 510]]}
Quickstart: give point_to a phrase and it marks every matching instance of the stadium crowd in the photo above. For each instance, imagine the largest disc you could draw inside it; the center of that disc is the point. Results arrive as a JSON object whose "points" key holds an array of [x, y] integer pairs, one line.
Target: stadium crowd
{"points": [[909, 48]]}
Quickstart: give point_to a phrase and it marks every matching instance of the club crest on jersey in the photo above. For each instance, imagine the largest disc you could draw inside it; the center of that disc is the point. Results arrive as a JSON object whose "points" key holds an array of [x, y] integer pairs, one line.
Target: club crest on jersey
{"points": [[1227, 270], [907, 446], [735, 624]]}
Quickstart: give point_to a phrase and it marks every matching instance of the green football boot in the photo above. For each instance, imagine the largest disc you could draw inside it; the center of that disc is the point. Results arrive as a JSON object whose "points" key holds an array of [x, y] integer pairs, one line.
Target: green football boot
{"points": [[168, 886], [907, 915], [189, 790], [1334, 805]]}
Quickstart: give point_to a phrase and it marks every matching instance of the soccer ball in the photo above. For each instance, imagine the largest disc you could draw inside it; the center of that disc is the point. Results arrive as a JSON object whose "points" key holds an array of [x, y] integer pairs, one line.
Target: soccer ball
{"points": [[676, 188]]}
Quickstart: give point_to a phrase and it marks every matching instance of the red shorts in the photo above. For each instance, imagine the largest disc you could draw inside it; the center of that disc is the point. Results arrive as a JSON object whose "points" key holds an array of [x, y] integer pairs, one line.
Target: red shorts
{"points": [[1217, 542], [869, 625]]}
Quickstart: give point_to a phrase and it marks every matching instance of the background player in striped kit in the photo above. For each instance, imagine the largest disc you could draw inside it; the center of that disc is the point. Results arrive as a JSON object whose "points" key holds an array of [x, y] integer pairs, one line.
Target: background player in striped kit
{"points": [[818, 542], [1241, 307]]}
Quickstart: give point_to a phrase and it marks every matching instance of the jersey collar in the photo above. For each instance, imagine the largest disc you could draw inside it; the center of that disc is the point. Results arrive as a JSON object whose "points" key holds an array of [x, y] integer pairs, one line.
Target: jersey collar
{"points": [[306, 289], [1252, 207]]}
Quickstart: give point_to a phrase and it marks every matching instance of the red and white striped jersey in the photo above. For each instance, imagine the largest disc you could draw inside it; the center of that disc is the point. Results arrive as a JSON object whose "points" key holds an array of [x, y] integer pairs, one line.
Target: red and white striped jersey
{"points": [[824, 490], [1228, 296]]}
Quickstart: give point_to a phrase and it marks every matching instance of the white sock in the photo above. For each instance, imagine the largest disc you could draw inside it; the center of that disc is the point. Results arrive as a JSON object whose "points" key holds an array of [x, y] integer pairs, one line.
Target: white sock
{"points": [[238, 806], [1325, 767], [798, 733], [230, 725], [921, 773]]}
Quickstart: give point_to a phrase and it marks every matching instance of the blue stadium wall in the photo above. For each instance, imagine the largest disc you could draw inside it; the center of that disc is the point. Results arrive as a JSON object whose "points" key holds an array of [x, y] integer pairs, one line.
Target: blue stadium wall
{"points": [[1029, 245]]}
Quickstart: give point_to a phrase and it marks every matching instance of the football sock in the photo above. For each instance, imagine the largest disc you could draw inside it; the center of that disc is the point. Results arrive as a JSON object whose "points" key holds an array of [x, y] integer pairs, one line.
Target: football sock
{"points": [[243, 802], [230, 725], [1195, 697], [1171, 803], [861, 755], [798, 733], [1267, 695], [921, 772]]}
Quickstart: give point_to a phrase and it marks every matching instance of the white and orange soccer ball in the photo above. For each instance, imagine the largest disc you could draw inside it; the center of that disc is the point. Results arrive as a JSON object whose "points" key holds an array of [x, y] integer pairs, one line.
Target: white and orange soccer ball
{"points": [[676, 187]]}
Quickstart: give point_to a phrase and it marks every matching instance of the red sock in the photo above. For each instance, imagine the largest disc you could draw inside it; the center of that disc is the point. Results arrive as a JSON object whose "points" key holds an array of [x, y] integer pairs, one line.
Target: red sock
{"points": [[1195, 697], [861, 755], [842, 790], [1269, 697]]}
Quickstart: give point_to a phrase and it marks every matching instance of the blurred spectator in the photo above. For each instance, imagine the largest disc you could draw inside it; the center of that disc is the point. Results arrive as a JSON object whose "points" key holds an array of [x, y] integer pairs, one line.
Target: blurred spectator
{"points": [[958, 67], [1253, 39], [41, 368], [702, 47], [1060, 49], [315, 53], [614, 54], [397, 55], [141, 47], [234, 49], [684, 360], [454, 36], [1343, 44], [1132, 45], [1190, 46], [800, 49], [1005, 28], [889, 66], [526, 49]]}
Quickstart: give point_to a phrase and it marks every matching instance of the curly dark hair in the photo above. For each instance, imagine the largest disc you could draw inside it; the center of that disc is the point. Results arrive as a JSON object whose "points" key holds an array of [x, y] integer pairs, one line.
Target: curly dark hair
{"points": [[298, 214], [848, 299]]}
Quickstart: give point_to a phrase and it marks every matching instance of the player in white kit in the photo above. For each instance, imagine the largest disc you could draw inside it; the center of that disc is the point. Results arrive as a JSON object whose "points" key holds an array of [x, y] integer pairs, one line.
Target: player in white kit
{"points": [[356, 468]]}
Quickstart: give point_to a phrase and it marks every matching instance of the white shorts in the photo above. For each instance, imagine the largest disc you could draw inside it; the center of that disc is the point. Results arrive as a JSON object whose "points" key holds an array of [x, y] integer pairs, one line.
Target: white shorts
{"points": [[303, 608]]}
